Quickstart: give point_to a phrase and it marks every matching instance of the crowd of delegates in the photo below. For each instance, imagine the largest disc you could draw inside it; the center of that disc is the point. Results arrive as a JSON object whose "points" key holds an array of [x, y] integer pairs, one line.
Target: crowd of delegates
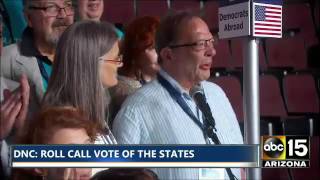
{"points": [[65, 70]]}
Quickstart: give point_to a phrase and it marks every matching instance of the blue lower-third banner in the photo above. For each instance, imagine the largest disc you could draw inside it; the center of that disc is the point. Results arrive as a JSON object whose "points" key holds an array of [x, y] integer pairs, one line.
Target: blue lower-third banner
{"points": [[135, 156]]}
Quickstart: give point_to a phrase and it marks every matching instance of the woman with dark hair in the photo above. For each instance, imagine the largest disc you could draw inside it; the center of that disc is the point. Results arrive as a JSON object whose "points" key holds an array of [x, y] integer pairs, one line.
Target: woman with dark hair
{"points": [[86, 62], [140, 60]]}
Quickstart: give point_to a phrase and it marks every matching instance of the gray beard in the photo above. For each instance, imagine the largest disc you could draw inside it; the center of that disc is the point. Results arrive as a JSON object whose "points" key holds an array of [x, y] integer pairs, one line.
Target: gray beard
{"points": [[53, 40]]}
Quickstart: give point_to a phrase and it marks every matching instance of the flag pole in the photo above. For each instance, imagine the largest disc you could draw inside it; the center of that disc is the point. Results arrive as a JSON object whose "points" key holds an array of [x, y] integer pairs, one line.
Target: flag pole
{"points": [[251, 98], [251, 95]]}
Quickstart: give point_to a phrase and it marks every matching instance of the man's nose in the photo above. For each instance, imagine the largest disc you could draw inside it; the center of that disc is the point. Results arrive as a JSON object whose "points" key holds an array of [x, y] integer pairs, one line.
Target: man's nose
{"points": [[62, 13], [211, 51]]}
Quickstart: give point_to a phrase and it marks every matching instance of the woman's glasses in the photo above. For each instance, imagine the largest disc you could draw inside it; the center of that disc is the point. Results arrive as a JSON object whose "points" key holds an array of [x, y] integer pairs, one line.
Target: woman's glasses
{"points": [[117, 60]]}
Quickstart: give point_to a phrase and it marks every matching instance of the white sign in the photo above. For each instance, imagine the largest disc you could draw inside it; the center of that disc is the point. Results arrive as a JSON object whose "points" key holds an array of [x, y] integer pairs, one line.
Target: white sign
{"points": [[234, 20]]}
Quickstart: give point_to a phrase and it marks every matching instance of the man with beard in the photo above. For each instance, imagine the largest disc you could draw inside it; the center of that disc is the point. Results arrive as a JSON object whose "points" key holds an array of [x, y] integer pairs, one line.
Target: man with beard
{"points": [[33, 56]]}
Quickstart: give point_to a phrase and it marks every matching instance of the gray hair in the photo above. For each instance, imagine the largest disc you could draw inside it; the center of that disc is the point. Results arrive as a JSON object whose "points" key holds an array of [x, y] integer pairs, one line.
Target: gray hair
{"points": [[75, 78]]}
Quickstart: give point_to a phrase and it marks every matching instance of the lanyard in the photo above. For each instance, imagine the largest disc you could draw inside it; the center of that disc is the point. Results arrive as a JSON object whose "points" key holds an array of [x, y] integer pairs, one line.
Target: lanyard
{"points": [[142, 81], [206, 131], [43, 71], [178, 98]]}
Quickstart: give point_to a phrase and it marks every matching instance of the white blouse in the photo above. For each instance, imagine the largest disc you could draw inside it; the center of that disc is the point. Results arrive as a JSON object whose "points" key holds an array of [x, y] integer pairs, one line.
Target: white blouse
{"points": [[103, 139]]}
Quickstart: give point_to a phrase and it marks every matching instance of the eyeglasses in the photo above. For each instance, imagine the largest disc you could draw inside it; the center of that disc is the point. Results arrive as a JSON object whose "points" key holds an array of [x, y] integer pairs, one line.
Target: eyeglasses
{"points": [[54, 10], [198, 45], [117, 61]]}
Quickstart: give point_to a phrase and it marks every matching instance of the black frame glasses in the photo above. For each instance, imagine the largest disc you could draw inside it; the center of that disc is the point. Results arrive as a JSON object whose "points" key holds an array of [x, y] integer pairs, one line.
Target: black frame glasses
{"points": [[54, 10], [198, 45]]}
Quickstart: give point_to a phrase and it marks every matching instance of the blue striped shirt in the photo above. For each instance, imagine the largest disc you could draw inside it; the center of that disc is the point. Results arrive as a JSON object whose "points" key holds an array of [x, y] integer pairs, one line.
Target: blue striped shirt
{"points": [[151, 116]]}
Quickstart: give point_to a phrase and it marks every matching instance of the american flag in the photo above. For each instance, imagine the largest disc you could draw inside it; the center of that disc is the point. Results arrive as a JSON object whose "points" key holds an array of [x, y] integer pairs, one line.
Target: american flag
{"points": [[267, 20]]}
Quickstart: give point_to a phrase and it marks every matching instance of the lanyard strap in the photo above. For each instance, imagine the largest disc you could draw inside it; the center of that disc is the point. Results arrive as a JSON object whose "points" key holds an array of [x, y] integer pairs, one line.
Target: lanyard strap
{"points": [[177, 97], [206, 131], [142, 81], [43, 71]]}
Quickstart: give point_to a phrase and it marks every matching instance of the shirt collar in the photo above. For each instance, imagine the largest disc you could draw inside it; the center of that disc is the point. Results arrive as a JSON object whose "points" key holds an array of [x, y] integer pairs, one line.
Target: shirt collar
{"points": [[174, 83], [27, 46]]}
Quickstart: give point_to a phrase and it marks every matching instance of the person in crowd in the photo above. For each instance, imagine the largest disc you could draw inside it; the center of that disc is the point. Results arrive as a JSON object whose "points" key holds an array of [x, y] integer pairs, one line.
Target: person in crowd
{"points": [[125, 174], [14, 21], [140, 60], [164, 112], [86, 62], [92, 10], [14, 105], [34, 55], [14, 109], [58, 125]]}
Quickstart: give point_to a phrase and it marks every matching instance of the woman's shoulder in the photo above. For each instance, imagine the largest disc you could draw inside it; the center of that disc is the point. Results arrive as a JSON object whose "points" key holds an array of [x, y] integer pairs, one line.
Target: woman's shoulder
{"points": [[105, 139], [132, 83], [125, 86]]}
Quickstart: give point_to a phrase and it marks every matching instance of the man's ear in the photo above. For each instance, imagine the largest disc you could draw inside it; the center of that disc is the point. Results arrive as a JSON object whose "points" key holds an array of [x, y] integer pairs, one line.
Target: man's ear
{"points": [[28, 17], [166, 54]]}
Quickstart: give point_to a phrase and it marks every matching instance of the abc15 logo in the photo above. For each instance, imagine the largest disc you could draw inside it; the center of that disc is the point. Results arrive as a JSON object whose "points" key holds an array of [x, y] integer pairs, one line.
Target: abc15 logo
{"points": [[285, 147]]}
